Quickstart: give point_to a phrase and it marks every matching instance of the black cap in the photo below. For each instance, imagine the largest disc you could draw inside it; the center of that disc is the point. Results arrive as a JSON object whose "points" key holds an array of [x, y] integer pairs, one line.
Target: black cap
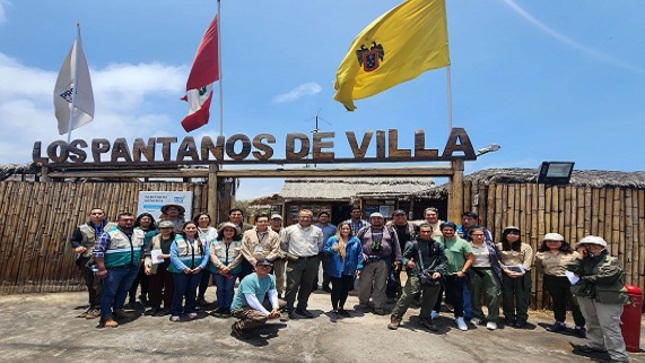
{"points": [[398, 211], [264, 262]]}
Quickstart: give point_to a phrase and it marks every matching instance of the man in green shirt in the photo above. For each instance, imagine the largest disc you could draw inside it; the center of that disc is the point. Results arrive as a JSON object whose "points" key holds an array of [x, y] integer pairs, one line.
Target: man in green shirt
{"points": [[460, 258]]}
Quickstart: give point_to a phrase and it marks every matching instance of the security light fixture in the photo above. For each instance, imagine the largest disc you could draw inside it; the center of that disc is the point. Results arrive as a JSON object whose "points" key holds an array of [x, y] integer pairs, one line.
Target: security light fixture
{"points": [[555, 172]]}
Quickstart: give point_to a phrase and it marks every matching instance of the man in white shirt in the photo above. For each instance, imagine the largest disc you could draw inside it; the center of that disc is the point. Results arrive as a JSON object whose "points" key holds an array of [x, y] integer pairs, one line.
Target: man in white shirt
{"points": [[302, 242]]}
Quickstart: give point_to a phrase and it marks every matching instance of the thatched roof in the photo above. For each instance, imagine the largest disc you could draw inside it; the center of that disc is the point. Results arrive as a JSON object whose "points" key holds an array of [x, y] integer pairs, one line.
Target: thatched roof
{"points": [[579, 178], [266, 200], [7, 170], [348, 188]]}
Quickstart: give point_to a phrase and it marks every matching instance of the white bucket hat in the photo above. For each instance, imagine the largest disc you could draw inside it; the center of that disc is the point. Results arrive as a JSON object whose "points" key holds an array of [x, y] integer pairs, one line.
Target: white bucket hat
{"points": [[593, 240], [553, 237]]}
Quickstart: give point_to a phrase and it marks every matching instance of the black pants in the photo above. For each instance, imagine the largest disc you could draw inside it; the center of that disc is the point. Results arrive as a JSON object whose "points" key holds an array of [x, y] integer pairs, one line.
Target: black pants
{"points": [[93, 283], [143, 280], [559, 288], [203, 283], [162, 287], [340, 288], [454, 287]]}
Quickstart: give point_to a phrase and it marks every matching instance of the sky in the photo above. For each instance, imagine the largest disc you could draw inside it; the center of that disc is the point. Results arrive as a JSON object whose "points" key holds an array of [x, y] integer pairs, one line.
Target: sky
{"points": [[546, 80]]}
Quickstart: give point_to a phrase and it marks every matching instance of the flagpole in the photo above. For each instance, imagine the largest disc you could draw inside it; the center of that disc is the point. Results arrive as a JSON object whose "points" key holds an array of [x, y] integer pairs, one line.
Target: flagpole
{"points": [[449, 85], [75, 78], [219, 67]]}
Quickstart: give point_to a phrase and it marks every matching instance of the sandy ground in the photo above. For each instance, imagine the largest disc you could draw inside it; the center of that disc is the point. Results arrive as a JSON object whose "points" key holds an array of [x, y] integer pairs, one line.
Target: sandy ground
{"points": [[43, 328]]}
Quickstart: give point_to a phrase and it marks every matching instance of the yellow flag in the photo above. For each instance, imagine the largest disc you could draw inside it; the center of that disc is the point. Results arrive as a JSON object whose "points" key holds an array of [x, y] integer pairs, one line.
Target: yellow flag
{"points": [[397, 47]]}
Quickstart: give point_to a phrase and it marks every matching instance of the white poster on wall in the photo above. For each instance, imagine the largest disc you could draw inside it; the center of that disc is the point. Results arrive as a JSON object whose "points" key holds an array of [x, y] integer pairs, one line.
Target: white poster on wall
{"points": [[151, 202]]}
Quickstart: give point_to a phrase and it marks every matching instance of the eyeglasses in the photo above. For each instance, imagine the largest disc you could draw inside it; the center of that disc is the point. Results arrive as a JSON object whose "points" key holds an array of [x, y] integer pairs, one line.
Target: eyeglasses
{"points": [[477, 235], [425, 231], [264, 266], [514, 232]]}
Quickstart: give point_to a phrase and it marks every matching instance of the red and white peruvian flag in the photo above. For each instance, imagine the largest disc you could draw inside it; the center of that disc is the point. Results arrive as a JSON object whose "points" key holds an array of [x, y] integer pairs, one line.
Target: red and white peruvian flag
{"points": [[199, 87]]}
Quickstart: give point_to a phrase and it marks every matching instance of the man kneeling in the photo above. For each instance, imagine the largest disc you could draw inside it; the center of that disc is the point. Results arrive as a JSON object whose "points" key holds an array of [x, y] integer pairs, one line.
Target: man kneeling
{"points": [[249, 304], [425, 262]]}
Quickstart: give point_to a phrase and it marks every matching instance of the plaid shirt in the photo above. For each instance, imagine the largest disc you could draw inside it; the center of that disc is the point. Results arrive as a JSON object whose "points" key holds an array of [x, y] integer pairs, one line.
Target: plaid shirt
{"points": [[355, 226]]}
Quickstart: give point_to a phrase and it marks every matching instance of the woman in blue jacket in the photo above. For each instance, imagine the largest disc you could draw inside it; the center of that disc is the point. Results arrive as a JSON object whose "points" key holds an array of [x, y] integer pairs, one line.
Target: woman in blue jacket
{"points": [[346, 258], [188, 257]]}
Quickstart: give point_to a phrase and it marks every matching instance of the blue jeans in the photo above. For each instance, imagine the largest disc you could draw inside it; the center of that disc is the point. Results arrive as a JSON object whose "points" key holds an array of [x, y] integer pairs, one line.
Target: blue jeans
{"points": [[225, 287], [116, 286], [468, 307], [185, 285]]}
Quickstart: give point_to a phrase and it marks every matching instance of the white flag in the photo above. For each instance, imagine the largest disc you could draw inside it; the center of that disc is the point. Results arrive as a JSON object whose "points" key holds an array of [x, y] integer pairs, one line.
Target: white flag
{"points": [[73, 84]]}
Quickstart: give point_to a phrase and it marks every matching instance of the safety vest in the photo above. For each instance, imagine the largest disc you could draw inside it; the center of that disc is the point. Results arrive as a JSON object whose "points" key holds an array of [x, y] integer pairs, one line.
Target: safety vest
{"points": [[89, 237], [124, 251], [190, 254]]}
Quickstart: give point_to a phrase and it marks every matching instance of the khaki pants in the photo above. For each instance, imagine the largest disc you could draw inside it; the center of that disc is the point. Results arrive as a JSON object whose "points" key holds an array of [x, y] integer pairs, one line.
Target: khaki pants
{"points": [[603, 327], [374, 275], [279, 270], [249, 318]]}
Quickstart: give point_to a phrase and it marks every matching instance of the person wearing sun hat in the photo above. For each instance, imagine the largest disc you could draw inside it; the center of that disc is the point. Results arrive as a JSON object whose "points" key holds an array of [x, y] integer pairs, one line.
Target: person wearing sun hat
{"points": [[601, 295], [174, 213], [552, 259]]}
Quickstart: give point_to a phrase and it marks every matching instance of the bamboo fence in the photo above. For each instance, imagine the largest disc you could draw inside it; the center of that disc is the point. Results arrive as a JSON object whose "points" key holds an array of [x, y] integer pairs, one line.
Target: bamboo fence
{"points": [[37, 220], [616, 214]]}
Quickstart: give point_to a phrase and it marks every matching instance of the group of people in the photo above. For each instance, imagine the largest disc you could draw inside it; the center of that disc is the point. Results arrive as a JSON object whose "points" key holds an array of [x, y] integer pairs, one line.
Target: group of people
{"points": [[277, 267]]}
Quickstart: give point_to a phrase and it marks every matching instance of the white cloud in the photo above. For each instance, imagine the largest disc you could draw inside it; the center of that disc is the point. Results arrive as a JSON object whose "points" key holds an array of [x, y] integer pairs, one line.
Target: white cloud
{"points": [[124, 106], [305, 89]]}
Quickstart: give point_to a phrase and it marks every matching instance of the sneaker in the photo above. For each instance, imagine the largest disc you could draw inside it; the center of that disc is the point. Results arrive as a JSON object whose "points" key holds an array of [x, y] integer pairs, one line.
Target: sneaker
{"points": [[428, 324], [174, 318], [333, 316], [588, 349], [152, 312], [344, 313], [394, 323], [327, 289], [143, 299], [108, 322], [164, 312], [519, 324], [93, 314], [475, 321], [363, 308], [556, 327], [217, 312], [491, 325], [434, 314], [580, 332], [461, 324], [380, 311], [305, 313], [122, 314], [192, 316], [285, 316], [202, 302]]}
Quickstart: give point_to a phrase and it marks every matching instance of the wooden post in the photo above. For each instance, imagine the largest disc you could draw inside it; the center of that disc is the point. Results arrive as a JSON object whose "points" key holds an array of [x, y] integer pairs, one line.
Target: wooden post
{"points": [[456, 195], [44, 171], [212, 194]]}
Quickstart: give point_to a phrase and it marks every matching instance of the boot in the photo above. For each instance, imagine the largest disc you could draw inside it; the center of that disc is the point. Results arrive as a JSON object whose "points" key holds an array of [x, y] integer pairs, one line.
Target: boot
{"points": [[108, 322], [394, 323]]}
